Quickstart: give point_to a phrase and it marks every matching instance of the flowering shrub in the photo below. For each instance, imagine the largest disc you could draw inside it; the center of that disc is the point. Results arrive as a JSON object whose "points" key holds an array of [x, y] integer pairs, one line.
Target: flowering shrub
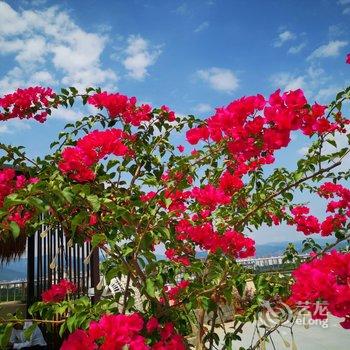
{"points": [[120, 180]]}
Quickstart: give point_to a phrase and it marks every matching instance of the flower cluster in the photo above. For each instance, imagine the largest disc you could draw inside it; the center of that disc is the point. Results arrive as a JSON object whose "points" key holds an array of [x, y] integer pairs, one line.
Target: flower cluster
{"points": [[230, 242], [59, 291], [174, 292], [210, 197], [122, 106], [124, 331], [327, 281], [77, 161], [308, 224], [10, 183], [20, 104], [177, 257], [167, 113], [254, 128], [340, 209], [347, 58]]}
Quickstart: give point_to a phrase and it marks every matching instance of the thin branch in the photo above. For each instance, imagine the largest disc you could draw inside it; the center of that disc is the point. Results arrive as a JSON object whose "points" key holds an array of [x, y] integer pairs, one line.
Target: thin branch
{"points": [[276, 194]]}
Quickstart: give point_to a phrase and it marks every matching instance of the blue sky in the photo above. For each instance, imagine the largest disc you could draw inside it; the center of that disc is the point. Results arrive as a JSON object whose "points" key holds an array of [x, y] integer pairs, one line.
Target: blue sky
{"points": [[190, 55]]}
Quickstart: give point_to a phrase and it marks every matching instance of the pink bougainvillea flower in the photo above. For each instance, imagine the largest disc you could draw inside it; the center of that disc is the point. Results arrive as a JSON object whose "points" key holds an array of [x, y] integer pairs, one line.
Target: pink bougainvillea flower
{"points": [[327, 283], [19, 104]]}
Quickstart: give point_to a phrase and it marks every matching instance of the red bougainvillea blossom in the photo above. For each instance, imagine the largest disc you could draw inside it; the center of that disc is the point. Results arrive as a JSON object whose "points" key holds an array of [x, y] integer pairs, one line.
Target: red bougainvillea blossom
{"points": [[122, 106], [348, 58], [230, 183], [59, 291], [124, 331], [174, 292], [170, 115], [10, 183], [327, 282], [210, 197], [174, 256], [19, 104], [77, 161], [254, 128], [231, 242], [305, 223], [340, 209]]}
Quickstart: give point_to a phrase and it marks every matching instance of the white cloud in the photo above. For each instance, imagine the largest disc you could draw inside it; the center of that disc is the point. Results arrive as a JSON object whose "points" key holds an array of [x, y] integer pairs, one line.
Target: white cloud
{"points": [[139, 56], [335, 30], [4, 129], [220, 79], [287, 81], [203, 108], [297, 48], [32, 52], [345, 3], [303, 151], [12, 80], [43, 77], [10, 21], [312, 80], [202, 27], [332, 49], [34, 2], [14, 125], [67, 114], [182, 9], [51, 37], [283, 37], [326, 94]]}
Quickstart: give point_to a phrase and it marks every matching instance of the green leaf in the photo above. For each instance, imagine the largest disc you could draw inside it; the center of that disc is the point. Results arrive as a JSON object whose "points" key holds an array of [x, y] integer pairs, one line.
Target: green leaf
{"points": [[150, 287], [94, 201], [332, 142], [67, 194], [5, 335], [15, 229], [29, 331], [289, 196], [97, 239]]}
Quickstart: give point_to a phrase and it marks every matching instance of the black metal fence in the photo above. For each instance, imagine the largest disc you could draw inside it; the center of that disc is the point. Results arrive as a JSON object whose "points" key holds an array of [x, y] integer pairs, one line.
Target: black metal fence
{"points": [[52, 257]]}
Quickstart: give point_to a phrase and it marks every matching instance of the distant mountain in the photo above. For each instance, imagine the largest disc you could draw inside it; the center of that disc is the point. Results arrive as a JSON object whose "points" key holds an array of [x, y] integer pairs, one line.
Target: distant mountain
{"points": [[14, 270], [278, 248]]}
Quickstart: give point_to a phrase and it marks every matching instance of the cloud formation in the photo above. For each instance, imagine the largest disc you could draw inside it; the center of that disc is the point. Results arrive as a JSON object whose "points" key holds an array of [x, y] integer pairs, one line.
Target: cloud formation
{"points": [[297, 48], [283, 37], [219, 79], [139, 56], [346, 4], [314, 81], [332, 49], [203, 108], [202, 27], [50, 37]]}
